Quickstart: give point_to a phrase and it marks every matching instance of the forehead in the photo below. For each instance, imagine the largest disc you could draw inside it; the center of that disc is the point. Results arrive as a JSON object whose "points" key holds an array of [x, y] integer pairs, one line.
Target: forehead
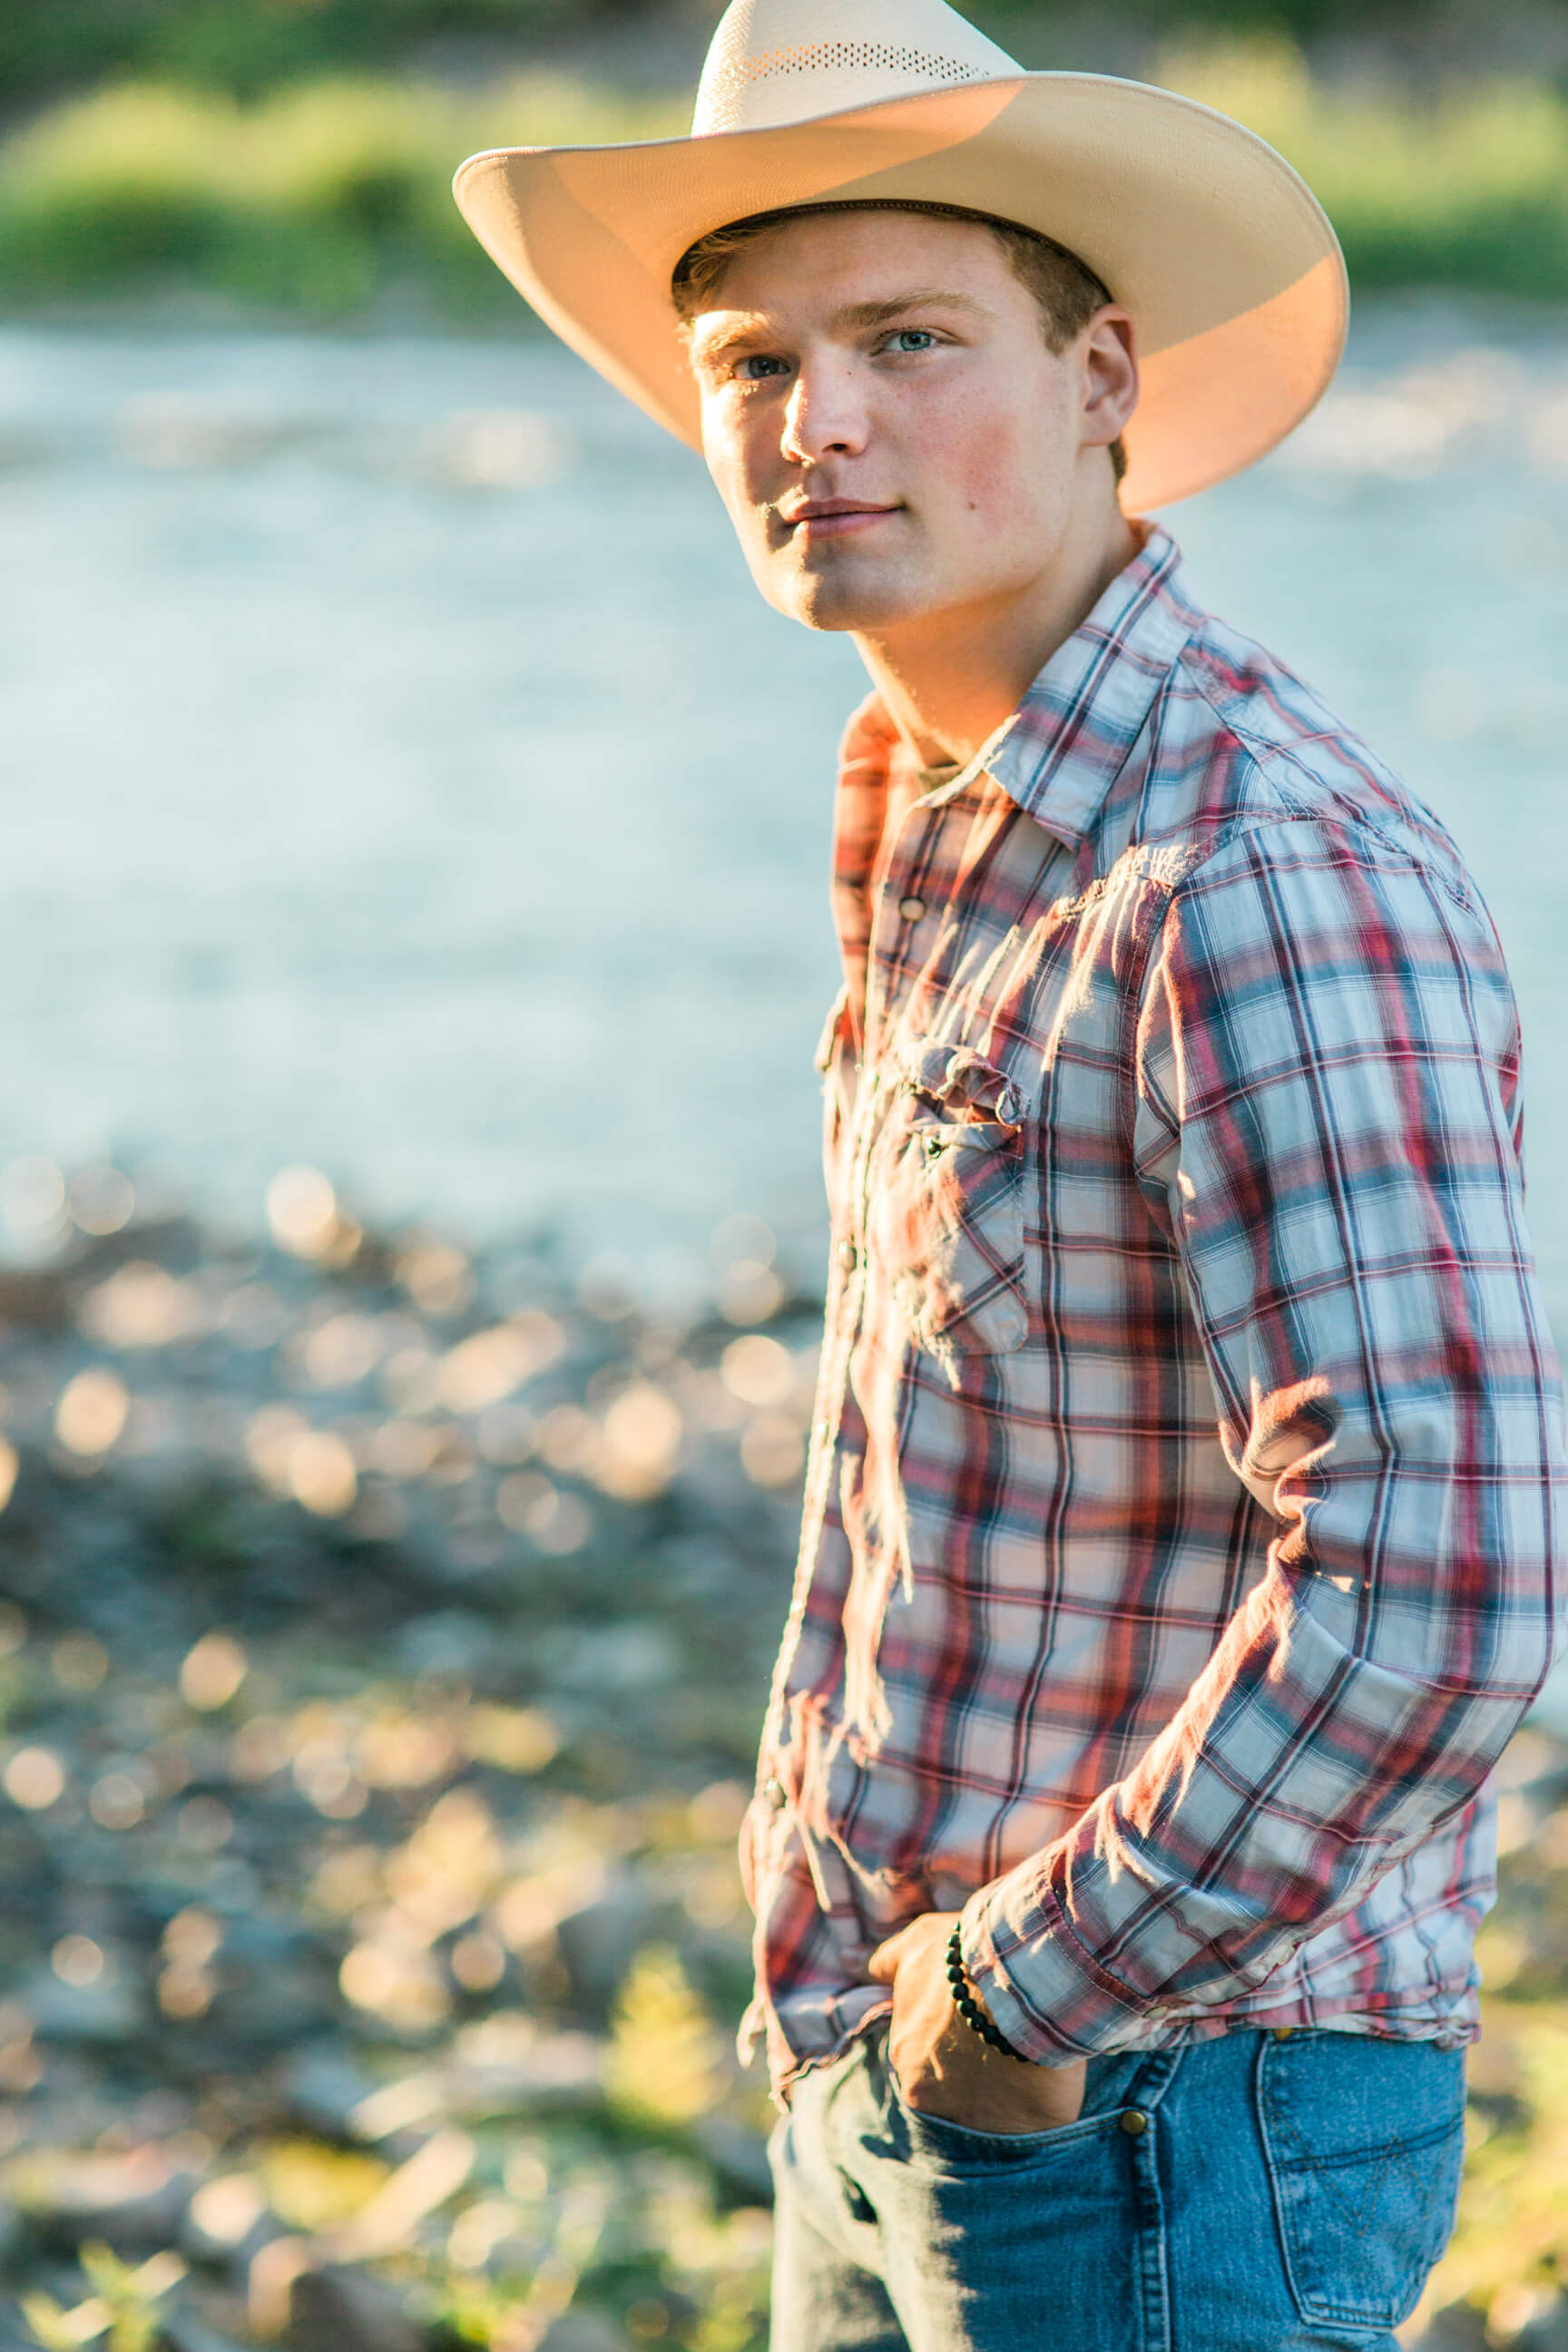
{"points": [[861, 256]]}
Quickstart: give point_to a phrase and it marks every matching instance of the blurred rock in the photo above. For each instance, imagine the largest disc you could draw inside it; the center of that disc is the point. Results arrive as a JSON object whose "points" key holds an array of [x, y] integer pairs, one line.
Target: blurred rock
{"points": [[1546, 2333], [583, 2331], [341, 2310], [1458, 2327], [322, 2087], [110, 2010], [182, 2331], [14, 2333], [737, 2156], [597, 1943], [135, 2200], [32, 1301]]}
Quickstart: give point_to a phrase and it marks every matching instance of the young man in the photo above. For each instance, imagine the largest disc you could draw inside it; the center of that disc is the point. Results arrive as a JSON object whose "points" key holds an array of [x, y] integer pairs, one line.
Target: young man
{"points": [[1182, 1515]]}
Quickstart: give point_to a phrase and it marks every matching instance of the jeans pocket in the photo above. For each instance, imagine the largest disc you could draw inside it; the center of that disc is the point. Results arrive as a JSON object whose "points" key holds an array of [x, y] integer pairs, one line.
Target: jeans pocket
{"points": [[1109, 2091], [1364, 2141]]}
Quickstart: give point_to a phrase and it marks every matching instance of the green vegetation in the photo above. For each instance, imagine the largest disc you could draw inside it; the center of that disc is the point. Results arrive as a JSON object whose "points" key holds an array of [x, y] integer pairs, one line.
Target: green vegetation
{"points": [[1469, 192], [1507, 2265], [244, 47], [317, 198], [324, 197]]}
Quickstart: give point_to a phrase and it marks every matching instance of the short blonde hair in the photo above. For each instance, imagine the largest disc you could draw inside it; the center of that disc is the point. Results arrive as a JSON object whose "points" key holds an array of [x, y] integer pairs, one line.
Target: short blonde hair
{"points": [[1066, 289]]}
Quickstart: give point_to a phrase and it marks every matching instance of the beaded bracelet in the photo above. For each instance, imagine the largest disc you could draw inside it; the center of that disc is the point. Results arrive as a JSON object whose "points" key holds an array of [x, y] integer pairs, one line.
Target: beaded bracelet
{"points": [[968, 2008]]}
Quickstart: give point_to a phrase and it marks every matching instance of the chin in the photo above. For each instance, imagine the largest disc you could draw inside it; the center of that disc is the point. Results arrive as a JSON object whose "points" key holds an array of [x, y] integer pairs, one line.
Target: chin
{"points": [[835, 600]]}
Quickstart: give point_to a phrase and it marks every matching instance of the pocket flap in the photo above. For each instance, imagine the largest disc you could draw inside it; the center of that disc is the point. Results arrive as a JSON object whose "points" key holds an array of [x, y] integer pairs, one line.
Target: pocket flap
{"points": [[960, 1083]]}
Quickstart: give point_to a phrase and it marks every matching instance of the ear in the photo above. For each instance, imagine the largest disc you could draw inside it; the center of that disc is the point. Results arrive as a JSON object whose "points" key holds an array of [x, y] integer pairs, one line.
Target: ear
{"points": [[1109, 353]]}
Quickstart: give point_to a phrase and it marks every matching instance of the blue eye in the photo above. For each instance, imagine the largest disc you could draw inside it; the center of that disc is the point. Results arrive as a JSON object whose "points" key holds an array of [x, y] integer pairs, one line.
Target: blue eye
{"points": [[915, 339], [758, 367]]}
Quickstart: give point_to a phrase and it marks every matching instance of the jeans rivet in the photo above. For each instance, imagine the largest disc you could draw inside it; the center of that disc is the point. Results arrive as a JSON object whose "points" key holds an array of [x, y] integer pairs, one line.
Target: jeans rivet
{"points": [[1133, 2121]]}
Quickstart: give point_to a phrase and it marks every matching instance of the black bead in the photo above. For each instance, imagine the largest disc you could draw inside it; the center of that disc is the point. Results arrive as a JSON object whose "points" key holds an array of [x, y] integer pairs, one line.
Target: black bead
{"points": [[969, 2009]]}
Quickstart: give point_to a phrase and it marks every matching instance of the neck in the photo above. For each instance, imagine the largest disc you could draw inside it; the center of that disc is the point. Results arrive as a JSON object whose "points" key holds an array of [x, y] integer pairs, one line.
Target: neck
{"points": [[949, 679]]}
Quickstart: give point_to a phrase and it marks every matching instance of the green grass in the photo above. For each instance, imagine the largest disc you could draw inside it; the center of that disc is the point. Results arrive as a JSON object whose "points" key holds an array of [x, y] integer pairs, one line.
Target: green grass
{"points": [[1471, 192], [326, 195], [316, 199]]}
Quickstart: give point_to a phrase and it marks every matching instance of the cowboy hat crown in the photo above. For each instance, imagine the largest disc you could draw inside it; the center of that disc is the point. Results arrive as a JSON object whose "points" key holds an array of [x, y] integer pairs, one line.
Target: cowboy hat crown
{"points": [[772, 61], [1223, 255]]}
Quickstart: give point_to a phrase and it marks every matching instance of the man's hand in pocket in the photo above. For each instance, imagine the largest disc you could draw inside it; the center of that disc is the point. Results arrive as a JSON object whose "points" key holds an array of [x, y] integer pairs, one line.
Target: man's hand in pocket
{"points": [[942, 2066]]}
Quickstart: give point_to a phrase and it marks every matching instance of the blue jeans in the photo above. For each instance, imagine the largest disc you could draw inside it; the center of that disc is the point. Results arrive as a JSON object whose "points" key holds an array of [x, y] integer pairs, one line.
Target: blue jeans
{"points": [[1263, 2192]]}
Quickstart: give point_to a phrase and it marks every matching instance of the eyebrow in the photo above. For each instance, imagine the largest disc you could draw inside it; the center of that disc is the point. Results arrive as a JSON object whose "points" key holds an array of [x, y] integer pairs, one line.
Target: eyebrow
{"points": [[754, 325], [921, 297]]}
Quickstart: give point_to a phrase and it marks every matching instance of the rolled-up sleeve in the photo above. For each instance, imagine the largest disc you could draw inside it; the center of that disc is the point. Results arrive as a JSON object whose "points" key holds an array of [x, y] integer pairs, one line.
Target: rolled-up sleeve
{"points": [[1323, 1104]]}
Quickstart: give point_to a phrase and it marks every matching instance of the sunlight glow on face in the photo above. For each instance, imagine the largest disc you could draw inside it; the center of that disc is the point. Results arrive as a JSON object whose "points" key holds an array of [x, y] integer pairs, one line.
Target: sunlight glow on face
{"points": [[893, 363]]}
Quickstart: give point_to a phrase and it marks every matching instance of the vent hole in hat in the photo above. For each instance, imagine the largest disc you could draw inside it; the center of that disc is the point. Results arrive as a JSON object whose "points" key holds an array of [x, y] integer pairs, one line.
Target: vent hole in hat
{"points": [[837, 57]]}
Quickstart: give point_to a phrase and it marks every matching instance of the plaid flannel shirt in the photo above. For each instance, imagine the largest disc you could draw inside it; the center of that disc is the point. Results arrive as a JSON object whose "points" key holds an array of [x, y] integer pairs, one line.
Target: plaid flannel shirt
{"points": [[1182, 1507]]}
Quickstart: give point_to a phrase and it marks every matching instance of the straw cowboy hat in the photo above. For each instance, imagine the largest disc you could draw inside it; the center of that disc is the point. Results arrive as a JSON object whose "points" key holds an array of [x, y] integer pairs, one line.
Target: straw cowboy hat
{"points": [[1220, 253]]}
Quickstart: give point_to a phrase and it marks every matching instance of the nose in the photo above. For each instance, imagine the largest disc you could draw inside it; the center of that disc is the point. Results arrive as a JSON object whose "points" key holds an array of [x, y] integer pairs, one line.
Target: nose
{"points": [[823, 416]]}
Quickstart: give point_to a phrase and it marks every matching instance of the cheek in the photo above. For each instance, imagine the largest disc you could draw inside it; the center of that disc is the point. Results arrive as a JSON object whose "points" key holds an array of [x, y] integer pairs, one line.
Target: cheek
{"points": [[741, 479], [736, 442], [999, 465], [725, 468]]}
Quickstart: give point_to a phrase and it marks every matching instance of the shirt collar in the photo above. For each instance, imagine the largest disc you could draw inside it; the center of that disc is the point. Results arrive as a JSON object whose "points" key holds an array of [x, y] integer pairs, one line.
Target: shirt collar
{"points": [[1064, 747], [1057, 756]]}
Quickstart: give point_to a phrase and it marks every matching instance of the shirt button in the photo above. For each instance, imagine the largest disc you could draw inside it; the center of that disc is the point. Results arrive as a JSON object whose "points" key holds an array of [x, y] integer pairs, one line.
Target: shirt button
{"points": [[911, 909], [1133, 2122], [776, 1793], [848, 1256]]}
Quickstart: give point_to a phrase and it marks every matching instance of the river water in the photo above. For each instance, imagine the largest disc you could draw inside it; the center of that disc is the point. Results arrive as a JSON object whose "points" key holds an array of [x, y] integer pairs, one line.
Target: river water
{"points": [[402, 777]]}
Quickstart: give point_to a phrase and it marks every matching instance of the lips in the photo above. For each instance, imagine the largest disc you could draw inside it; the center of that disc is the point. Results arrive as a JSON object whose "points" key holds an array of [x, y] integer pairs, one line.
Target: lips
{"points": [[815, 510], [833, 517]]}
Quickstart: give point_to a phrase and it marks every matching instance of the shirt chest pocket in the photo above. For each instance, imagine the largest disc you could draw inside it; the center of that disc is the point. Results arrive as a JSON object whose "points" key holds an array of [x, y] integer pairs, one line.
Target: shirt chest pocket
{"points": [[944, 1226]]}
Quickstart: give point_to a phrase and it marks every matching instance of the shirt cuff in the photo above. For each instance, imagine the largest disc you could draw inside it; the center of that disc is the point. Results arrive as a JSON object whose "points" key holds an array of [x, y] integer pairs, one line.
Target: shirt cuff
{"points": [[1043, 1989]]}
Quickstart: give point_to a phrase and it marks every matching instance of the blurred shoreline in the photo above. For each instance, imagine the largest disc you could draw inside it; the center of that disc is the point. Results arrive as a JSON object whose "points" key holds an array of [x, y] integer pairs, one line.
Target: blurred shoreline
{"points": [[384, 1635]]}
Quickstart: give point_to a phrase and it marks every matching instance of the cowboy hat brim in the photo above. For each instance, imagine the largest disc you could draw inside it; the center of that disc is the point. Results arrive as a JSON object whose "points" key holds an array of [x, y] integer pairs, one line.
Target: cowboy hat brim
{"points": [[1220, 251]]}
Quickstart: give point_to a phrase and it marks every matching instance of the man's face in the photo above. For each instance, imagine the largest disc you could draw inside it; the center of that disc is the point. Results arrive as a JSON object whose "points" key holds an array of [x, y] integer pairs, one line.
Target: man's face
{"points": [[886, 425]]}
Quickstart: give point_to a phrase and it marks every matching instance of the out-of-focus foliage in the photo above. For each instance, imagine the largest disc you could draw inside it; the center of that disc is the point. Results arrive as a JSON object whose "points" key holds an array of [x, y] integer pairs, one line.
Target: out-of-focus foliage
{"points": [[244, 46], [1504, 2281], [314, 198], [328, 196], [1471, 190], [664, 2061]]}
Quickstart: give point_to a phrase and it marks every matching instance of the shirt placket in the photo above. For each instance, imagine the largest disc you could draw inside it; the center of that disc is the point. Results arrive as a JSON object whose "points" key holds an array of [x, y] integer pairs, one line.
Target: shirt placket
{"points": [[897, 911]]}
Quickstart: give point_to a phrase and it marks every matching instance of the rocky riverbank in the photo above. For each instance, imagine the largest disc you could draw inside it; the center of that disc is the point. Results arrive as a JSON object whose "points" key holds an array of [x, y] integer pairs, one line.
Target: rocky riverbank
{"points": [[384, 1636], [384, 1631]]}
